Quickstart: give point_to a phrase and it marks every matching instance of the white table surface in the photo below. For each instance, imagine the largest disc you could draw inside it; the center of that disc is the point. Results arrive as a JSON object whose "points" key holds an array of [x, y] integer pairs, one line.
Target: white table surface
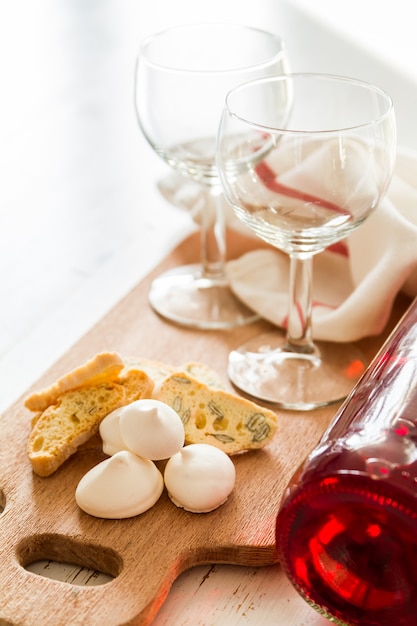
{"points": [[81, 219]]}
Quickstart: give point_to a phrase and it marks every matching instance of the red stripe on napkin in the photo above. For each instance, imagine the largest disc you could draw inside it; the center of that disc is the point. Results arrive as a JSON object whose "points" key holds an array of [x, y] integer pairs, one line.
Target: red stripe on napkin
{"points": [[315, 303], [269, 179]]}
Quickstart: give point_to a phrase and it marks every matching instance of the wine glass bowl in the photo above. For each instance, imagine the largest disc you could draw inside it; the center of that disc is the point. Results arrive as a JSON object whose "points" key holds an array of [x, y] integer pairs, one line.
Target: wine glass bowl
{"points": [[304, 159], [182, 77]]}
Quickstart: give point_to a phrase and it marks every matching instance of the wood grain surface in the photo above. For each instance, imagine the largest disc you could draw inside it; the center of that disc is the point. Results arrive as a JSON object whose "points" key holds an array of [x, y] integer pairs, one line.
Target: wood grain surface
{"points": [[147, 553]]}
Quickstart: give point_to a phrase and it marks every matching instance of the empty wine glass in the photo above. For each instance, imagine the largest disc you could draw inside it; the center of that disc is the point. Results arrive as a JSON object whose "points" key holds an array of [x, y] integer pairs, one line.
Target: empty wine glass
{"points": [[182, 77], [304, 159]]}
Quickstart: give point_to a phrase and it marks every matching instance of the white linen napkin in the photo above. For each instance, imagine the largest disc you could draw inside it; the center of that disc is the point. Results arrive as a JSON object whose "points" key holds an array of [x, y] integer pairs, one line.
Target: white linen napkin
{"points": [[353, 291]]}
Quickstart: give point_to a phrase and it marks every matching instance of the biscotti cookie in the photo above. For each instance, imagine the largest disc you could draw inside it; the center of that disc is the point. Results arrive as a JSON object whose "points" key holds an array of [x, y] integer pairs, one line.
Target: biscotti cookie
{"points": [[103, 367], [203, 373], [215, 416], [137, 384], [158, 370], [58, 432], [64, 426]]}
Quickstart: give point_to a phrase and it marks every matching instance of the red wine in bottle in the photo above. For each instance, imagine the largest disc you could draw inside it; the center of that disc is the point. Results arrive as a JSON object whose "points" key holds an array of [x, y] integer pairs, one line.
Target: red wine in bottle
{"points": [[346, 531]]}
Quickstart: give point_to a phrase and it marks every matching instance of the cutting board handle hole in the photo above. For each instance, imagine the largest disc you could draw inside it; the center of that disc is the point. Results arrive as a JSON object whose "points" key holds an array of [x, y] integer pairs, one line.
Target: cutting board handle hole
{"points": [[55, 548], [2, 502]]}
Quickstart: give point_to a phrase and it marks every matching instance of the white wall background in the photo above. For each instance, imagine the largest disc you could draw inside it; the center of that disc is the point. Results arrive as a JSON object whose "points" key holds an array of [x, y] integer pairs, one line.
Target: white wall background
{"points": [[374, 40]]}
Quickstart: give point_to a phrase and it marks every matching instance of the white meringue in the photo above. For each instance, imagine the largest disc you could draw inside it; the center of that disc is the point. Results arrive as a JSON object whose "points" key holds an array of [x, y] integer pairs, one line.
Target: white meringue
{"points": [[123, 485], [199, 478], [110, 433], [151, 429]]}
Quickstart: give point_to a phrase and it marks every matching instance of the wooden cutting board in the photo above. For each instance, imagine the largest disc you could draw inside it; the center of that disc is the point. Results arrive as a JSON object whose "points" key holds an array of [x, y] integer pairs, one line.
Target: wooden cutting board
{"points": [[146, 553]]}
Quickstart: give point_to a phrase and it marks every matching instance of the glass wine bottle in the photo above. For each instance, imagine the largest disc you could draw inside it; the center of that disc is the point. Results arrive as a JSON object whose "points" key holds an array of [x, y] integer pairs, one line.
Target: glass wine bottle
{"points": [[346, 530]]}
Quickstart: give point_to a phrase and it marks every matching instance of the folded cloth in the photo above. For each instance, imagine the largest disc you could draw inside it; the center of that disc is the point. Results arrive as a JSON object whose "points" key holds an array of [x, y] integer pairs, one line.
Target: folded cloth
{"points": [[354, 284]]}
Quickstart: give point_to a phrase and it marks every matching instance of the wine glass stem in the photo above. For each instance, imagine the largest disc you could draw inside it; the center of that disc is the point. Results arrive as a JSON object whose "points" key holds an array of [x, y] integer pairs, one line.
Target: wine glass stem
{"points": [[299, 328], [213, 236]]}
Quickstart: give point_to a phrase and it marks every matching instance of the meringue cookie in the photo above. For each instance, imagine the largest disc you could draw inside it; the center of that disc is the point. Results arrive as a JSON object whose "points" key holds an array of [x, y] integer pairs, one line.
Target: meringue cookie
{"points": [[151, 429], [123, 485], [199, 478], [110, 433]]}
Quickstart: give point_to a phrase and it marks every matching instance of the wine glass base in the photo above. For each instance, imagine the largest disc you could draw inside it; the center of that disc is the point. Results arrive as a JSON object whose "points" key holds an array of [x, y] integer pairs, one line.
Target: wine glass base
{"points": [[184, 296], [262, 368]]}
